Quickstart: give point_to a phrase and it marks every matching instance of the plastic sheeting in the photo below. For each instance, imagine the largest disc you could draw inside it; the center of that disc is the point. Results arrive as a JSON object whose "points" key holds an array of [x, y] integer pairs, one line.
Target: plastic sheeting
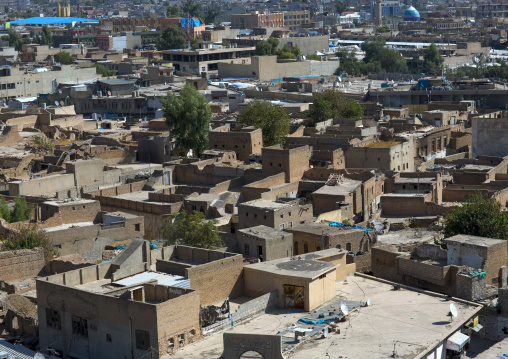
{"points": [[189, 22]]}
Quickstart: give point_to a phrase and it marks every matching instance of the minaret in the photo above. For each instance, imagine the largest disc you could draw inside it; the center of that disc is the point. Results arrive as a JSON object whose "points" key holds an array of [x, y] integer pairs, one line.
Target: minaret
{"points": [[378, 13]]}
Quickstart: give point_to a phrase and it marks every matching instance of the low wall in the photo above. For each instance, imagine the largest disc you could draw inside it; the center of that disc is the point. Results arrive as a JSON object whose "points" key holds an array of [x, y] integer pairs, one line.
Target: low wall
{"points": [[247, 310], [171, 267]]}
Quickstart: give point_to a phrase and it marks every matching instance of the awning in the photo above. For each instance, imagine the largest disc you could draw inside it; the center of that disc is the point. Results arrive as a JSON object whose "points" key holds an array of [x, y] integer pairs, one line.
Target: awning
{"points": [[457, 341]]}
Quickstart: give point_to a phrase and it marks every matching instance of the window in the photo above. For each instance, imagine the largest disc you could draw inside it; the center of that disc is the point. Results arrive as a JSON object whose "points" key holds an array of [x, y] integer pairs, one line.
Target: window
{"points": [[142, 339], [255, 215], [246, 249], [137, 227], [79, 326], [271, 164], [318, 248], [108, 338], [282, 215], [290, 224], [348, 247], [246, 214], [280, 165], [305, 248], [296, 248], [53, 319], [289, 213], [281, 226]]}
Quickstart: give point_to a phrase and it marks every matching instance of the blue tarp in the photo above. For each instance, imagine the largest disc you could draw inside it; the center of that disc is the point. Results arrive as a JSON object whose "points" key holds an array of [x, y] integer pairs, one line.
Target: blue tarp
{"points": [[189, 22], [348, 226], [332, 45], [307, 321], [51, 21]]}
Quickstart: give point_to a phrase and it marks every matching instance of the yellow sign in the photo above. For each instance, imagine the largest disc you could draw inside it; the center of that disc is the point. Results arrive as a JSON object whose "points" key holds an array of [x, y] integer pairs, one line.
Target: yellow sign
{"points": [[475, 321], [7, 25]]}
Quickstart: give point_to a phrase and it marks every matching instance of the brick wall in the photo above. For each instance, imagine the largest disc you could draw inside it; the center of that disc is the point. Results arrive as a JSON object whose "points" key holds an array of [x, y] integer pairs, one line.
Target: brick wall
{"points": [[218, 279], [384, 264], [171, 267], [22, 263]]}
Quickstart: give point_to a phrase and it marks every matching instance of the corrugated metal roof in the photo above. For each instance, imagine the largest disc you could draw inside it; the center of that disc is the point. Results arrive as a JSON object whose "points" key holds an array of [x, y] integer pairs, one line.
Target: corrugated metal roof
{"points": [[16, 351], [140, 278], [175, 281]]}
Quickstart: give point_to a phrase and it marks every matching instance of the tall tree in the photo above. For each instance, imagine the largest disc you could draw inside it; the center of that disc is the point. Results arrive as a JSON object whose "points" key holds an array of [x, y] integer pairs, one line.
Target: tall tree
{"points": [[432, 60], [271, 119], [212, 14], [267, 47], [188, 117], [174, 11], [479, 216], [64, 57], [192, 9], [389, 60], [46, 35], [191, 229], [331, 104], [171, 39], [340, 7]]}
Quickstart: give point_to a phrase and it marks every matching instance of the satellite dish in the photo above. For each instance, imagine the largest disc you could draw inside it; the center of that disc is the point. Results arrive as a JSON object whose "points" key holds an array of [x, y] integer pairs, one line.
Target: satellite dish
{"points": [[344, 308], [59, 90], [57, 103], [39, 356], [453, 310], [368, 302]]}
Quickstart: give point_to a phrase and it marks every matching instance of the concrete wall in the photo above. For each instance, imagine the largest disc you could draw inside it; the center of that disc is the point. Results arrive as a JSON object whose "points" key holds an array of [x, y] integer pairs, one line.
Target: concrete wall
{"points": [[41, 186], [86, 172], [489, 132]]}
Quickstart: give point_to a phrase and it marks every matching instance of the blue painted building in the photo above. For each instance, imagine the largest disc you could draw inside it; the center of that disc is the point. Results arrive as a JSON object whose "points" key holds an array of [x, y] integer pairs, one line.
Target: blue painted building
{"points": [[411, 14]]}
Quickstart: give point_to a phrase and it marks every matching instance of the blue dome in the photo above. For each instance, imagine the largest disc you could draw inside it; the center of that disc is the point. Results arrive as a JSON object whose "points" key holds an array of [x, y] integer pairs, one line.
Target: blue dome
{"points": [[411, 14]]}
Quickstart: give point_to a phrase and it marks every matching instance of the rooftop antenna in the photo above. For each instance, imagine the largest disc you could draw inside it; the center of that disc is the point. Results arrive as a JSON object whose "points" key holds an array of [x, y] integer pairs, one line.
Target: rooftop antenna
{"points": [[453, 312]]}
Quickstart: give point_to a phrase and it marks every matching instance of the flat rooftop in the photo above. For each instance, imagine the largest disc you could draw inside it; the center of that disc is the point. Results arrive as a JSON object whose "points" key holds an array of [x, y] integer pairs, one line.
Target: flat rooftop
{"points": [[263, 232], [474, 240], [340, 189], [266, 204], [71, 202], [414, 321], [318, 228], [303, 268]]}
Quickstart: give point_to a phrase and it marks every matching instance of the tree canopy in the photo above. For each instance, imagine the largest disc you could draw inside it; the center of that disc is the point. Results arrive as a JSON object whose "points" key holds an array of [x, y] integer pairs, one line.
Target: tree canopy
{"points": [[45, 38], [29, 239], [267, 47], [340, 7], [64, 57], [188, 117], [15, 40], [331, 104], [432, 60], [270, 48], [171, 39], [174, 11], [479, 216], [271, 119], [212, 14], [21, 211], [192, 9], [191, 229], [389, 60]]}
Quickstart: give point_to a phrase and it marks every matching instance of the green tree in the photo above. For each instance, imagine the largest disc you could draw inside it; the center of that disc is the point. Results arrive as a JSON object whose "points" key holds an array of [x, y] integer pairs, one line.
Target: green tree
{"points": [[192, 9], [41, 142], [267, 47], [271, 119], [212, 14], [432, 60], [191, 229], [21, 211], [45, 36], [389, 60], [331, 104], [15, 40], [64, 57], [194, 41], [174, 11], [340, 7], [29, 239], [458, 12], [5, 211], [171, 39], [103, 70], [288, 53], [479, 216], [348, 62], [382, 29], [188, 117]]}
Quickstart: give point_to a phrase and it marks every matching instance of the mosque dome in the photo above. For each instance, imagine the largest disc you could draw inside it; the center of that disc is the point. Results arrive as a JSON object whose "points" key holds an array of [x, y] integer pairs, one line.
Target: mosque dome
{"points": [[411, 14]]}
